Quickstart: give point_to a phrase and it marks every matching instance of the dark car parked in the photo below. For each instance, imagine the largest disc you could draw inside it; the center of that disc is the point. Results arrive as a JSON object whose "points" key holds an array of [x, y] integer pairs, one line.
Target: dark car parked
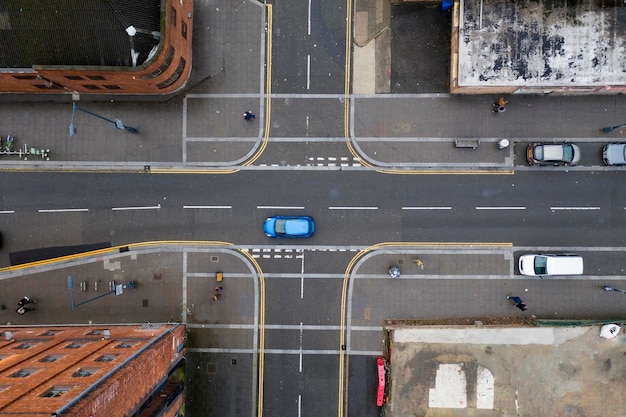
{"points": [[614, 154]]}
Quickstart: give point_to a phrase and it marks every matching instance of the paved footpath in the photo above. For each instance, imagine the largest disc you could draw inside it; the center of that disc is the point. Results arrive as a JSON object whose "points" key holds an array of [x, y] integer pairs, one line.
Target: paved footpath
{"points": [[204, 128]]}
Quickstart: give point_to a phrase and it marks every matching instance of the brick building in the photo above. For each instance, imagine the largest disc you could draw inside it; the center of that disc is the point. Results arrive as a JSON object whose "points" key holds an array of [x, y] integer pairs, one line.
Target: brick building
{"points": [[91, 371], [95, 46]]}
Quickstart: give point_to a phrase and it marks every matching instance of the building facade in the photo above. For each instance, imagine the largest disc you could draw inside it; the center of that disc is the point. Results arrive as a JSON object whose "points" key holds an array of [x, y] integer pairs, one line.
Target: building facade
{"points": [[95, 47], [91, 371]]}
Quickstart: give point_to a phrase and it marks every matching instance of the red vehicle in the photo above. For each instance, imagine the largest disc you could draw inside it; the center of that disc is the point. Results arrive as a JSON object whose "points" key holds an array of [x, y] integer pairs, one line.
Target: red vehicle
{"points": [[380, 396]]}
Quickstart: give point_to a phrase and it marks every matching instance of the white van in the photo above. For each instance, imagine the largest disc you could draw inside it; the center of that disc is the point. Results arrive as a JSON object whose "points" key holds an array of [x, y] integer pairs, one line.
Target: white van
{"points": [[559, 264]]}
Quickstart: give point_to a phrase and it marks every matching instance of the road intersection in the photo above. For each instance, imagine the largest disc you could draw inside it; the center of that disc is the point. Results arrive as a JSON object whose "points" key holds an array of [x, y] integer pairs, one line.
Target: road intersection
{"points": [[300, 287], [293, 311]]}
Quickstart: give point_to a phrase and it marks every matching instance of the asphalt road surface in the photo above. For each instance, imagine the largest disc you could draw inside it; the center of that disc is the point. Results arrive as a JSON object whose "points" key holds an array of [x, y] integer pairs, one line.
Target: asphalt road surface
{"points": [[353, 209], [530, 208]]}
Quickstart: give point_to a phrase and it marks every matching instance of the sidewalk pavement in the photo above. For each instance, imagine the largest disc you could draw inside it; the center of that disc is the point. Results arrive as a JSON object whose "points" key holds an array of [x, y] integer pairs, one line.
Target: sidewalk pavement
{"points": [[175, 282], [204, 128], [171, 283]]}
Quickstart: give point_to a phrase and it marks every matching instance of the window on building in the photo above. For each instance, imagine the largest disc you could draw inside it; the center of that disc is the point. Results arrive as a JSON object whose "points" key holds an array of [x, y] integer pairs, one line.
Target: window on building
{"points": [[91, 86], [125, 345], [97, 332], [172, 78], [57, 391], [75, 345], [109, 357], [84, 372], [26, 345], [96, 77], [184, 29], [51, 333], [112, 87], [24, 372], [73, 77], [25, 77], [173, 13], [51, 358], [166, 63]]}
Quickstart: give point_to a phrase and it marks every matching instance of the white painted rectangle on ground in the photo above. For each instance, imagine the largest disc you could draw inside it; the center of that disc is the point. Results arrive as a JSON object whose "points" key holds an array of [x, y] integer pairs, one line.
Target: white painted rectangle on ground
{"points": [[484, 388], [450, 387]]}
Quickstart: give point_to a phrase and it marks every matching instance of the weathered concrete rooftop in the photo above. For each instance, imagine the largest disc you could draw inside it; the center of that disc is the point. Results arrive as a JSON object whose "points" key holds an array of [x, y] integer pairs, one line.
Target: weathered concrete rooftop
{"points": [[506, 371], [535, 44]]}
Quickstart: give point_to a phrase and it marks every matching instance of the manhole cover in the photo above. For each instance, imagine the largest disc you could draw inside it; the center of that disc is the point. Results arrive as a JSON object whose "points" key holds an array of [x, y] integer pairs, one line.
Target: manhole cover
{"points": [[145, 303], [210, 368], [215, 258], [233, 361], [158, 276]]}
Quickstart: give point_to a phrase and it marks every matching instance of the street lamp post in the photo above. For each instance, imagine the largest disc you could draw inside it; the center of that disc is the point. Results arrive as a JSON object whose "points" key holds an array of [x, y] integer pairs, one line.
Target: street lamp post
{"points": [[116, 122], [609, 128], [117, 290]]}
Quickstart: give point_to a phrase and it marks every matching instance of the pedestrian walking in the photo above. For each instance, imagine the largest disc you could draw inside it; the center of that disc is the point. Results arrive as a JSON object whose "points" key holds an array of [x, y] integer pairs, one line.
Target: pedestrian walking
{"points": [[218, 289], [500, 105], [216, 297], [23, 310], [517, 302], [248, 115], [25, 301]]}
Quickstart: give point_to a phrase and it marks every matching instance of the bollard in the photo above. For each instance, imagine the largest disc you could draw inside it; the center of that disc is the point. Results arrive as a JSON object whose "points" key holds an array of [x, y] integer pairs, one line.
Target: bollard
{"points": [[503, 143], [394, 272]]}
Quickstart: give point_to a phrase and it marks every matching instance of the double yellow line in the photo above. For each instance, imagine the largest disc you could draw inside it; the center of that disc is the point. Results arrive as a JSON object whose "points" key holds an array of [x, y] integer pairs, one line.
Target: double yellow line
{"points": [[343, 380], [144, 245], [112, 250]]}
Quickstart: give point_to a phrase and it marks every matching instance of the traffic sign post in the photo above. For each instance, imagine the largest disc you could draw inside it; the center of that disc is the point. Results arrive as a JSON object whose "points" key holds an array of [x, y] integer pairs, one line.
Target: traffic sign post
{"points": [[116, 289]]}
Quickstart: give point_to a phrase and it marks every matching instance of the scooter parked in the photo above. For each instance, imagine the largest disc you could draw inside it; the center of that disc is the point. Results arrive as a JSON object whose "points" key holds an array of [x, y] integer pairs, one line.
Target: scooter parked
{"points": [[9, 143], [24, 151]]}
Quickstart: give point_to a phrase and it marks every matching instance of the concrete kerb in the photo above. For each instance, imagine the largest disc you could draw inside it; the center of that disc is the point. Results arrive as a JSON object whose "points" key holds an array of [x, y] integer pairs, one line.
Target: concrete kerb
{"points": [[142, 264], [385, 256], [113, 253], [520, 359], [228, 165]]}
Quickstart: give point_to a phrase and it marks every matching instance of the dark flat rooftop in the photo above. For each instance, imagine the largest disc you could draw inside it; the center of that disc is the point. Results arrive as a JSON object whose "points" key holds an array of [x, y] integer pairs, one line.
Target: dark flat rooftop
{"points": [[76, 32]]}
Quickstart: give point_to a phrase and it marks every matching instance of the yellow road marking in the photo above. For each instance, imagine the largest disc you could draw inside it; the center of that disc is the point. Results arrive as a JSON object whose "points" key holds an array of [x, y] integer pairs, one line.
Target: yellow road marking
{"points": [[343, 384], [268, 112], [111, 250], [268, 90], [261, 329], [445, 172], [193, 171], [140, 245]]}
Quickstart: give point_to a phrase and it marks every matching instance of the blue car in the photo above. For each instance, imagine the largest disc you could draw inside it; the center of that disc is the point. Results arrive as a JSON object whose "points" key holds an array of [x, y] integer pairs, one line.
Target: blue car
{"points": [[289, 226]]}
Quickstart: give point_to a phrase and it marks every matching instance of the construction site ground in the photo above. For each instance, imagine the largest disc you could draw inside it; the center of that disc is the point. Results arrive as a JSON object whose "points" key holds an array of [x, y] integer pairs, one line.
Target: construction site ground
{"points": [[505, 370]]}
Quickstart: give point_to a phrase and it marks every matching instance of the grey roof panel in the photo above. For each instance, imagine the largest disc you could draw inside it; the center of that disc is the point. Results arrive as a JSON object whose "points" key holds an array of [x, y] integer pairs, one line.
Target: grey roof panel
{"points": [[75, 32]]}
